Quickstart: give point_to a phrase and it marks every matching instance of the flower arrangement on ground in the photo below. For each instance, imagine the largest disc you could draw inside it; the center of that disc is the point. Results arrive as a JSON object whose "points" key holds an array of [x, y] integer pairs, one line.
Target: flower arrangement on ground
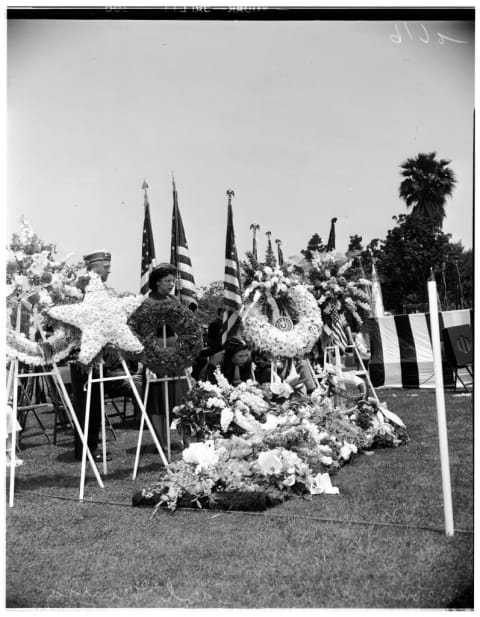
{"points": [[253, 443]]}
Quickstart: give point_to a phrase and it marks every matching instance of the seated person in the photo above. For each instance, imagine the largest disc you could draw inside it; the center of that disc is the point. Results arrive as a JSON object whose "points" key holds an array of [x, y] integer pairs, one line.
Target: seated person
{"points": [[234, 361]]}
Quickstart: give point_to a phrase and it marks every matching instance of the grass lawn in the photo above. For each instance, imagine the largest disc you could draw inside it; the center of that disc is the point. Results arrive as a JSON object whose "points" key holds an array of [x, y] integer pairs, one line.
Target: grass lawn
{"points": [[379, 543]]}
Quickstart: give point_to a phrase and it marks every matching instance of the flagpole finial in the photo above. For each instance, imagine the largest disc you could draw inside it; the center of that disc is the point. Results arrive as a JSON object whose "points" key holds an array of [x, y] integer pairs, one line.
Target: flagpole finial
{"points": [[144, 185], [230, 194]]}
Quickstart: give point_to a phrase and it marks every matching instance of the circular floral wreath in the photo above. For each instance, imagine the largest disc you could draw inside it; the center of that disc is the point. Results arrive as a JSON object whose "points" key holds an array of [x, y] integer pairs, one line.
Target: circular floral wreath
{"points": [[149, 318], [60, 345], [267, 338]]}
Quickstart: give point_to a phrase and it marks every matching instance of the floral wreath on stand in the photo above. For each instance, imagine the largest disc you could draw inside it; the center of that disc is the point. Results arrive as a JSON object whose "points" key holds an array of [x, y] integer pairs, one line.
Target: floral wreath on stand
{"points": [[60, 345], [282, 318], [149, 318]]}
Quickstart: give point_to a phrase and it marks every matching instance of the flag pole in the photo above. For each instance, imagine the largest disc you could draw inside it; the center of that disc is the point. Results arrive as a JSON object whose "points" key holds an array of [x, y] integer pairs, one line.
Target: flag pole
{"points": [[440, 400], [148, 248]]}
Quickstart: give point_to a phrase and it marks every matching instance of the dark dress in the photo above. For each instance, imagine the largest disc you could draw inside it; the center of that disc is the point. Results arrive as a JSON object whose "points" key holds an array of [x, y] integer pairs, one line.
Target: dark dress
{"points": [[156, 393]]}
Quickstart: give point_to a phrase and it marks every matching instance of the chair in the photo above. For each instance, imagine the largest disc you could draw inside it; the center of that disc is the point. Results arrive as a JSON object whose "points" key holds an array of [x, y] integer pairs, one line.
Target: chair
{"points": [[458, 345]]}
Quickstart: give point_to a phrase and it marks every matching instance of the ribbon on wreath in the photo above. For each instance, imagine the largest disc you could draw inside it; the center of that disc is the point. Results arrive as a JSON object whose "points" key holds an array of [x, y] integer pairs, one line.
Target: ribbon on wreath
{"points": [[283, 322]]}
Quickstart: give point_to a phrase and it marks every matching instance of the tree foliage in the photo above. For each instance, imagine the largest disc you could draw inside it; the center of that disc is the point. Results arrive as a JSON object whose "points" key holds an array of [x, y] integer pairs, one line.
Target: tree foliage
{"points": [[315, 244], [404, 262], [210, 300], [426, 184]]}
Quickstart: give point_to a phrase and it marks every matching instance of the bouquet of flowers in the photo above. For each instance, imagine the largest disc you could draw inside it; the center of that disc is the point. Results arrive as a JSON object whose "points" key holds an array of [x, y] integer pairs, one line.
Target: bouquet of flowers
{"points": [[36, 275], [331, 277]]}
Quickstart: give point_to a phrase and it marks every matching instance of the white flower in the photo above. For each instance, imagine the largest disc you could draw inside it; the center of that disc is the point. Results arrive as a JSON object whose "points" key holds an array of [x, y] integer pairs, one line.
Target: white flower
{"points": [[269, 463], [210, 387], [326, 460], [322, 483], [281, 388], [289, 480], [215, 402], [202, 454], [347, 449], [226, 418], [271, 422], [45, 298], [21, 281]]}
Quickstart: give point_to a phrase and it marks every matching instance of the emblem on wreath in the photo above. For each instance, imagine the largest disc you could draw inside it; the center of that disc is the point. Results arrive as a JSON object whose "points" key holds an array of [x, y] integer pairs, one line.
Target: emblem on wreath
{"points": [[285, 324]]}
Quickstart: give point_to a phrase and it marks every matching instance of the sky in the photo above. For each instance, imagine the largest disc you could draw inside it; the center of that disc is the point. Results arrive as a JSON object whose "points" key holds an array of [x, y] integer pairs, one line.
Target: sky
{"points": [[304, 121]]}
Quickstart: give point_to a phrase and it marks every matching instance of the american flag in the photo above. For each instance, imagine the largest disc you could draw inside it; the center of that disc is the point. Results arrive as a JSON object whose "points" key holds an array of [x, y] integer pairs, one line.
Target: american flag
{"points": [[232, 298], [180, 258], [336, 330], [148, 248]]}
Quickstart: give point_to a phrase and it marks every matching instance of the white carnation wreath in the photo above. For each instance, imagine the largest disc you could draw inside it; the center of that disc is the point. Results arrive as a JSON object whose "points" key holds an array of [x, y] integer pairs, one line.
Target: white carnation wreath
{"points": [[265, 337], [61, 344]]}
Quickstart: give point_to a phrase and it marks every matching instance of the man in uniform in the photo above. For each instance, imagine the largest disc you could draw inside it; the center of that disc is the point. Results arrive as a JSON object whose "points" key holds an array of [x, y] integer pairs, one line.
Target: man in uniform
{"points": [[98, 262]]}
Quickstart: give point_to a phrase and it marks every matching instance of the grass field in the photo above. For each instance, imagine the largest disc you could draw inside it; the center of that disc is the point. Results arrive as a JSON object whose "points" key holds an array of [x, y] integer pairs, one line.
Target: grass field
{"points": [[379, 543]]}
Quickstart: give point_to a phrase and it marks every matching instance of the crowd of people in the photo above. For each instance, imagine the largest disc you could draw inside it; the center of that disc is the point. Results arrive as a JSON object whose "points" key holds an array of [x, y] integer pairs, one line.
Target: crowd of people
{"points": [[235, 359]]}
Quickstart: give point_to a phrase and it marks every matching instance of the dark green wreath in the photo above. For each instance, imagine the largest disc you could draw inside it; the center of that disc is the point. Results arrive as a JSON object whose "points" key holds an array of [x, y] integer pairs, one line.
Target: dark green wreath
{"points": [[147, 323]]}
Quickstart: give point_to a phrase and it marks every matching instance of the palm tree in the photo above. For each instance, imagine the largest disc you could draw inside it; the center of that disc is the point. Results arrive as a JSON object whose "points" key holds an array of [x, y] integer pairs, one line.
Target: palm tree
{"points": [[426, 185]]}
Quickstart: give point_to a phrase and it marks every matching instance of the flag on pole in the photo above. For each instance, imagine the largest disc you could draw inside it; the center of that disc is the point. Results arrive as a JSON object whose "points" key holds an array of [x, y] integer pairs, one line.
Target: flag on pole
{"points": [[280, 252], [232, 298], [336, 330], [377, 298], [255, 227], [331, 237], [148, 248], [180, 258]]}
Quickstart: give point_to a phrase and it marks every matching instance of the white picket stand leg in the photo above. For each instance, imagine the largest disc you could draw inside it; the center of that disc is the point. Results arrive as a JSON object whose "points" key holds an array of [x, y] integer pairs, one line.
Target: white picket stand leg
{"points": [[13, 444], [87, 421], [140, 431], [167, 418], [144, 413], [102, 413], [65, 397]]}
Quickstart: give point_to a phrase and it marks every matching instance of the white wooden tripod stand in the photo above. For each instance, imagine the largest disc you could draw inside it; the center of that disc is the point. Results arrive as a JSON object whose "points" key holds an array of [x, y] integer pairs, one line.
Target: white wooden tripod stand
{"points": [[152, 378], [101, 380], [12, 390], [333, 352], [274, 370]]}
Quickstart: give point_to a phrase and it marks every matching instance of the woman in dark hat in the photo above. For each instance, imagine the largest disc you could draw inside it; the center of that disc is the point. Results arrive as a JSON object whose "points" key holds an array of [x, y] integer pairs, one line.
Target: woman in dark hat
{"points": [[161, 283]]}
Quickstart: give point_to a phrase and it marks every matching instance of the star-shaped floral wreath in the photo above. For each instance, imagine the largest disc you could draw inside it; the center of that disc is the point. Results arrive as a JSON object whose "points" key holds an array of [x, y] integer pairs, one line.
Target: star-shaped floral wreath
{"points": [[102, 318]]}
